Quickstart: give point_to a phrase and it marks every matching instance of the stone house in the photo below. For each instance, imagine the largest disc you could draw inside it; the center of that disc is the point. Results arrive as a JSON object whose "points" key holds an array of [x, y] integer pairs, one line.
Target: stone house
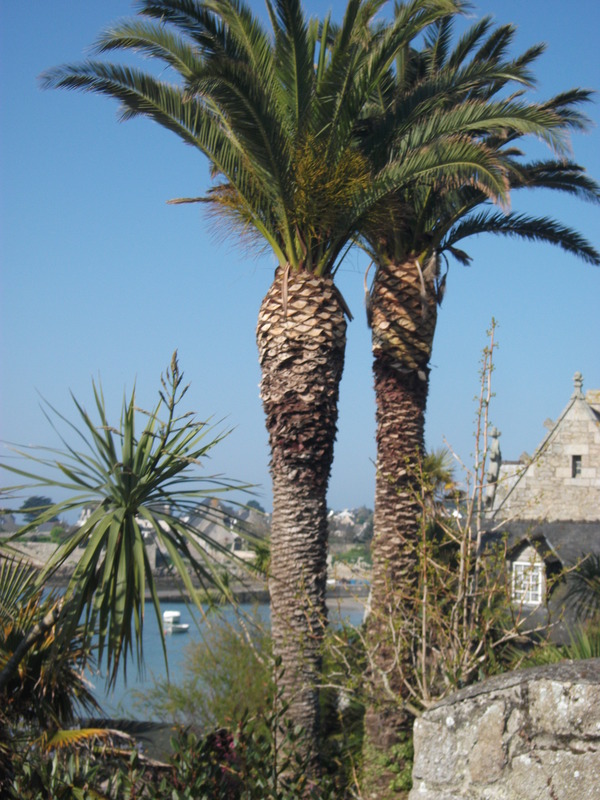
{"points": [[562, 479], [547, 509]]}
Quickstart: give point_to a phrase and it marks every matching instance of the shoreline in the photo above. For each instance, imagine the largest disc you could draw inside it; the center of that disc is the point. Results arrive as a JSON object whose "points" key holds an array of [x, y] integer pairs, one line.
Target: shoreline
{"points": [[170, 591]]}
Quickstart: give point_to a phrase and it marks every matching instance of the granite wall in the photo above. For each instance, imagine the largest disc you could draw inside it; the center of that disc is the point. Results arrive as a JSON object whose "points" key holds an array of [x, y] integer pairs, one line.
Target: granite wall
{"points": [[527, 735]]}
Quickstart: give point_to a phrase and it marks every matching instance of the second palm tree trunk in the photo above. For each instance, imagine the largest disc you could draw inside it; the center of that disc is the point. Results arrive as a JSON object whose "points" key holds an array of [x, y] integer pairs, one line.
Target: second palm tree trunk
{"points": [[404, 312], [301, 336]]}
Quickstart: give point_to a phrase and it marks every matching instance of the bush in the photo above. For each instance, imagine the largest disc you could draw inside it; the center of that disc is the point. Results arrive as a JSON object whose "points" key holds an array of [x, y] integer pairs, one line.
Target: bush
{"points": [[262, 758], [225, 675]]}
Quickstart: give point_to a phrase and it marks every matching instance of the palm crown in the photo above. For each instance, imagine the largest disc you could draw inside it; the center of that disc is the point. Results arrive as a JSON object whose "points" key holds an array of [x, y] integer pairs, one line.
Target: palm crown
{"points": [[276, 114], [428, 217]]}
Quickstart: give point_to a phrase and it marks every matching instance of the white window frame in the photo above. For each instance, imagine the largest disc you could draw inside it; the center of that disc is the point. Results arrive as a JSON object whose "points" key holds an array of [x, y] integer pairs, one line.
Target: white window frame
{"points": [[528, 582]]}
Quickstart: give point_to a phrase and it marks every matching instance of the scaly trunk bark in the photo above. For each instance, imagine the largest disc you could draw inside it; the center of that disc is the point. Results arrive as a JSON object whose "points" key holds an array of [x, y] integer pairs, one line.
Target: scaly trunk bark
{"points": [[404, 311], [301, 338]]}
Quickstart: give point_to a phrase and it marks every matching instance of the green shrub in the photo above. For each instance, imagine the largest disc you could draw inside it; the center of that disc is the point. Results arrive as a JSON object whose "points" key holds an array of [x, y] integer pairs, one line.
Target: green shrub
{"points": [[224, 675]]}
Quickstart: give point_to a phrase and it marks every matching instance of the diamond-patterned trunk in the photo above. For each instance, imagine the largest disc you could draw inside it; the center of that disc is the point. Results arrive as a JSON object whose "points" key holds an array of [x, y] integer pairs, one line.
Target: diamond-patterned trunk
{"points": [[301, 338], [404, 311]]}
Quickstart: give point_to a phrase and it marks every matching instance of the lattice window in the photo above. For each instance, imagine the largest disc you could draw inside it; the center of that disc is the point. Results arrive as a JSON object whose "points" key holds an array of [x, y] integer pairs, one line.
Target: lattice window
{"points": [[528, 582]]}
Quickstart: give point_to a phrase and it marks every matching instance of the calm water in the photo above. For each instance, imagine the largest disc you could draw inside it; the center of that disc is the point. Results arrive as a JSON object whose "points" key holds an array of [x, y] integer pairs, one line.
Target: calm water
{"points": [[121, 701]]}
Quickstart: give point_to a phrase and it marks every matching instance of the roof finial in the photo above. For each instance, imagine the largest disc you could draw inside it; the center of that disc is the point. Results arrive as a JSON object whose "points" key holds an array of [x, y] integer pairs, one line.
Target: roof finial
{"points": [[578, 384]]}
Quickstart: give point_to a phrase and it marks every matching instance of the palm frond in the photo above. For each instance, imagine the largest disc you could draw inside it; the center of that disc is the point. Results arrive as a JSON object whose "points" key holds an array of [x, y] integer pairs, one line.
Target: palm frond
{"points": [[562, 176], [76, 737], [17, 585], [522, 226], [154, 41]]}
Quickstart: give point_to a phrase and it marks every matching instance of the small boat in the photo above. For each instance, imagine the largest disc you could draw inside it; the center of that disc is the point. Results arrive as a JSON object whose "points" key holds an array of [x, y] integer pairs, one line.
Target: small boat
{"points": [[172, 624]]}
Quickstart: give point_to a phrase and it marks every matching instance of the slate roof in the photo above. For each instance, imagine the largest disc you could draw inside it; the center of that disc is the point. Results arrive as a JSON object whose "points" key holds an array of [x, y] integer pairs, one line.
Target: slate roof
{"points": [[568, 541]]}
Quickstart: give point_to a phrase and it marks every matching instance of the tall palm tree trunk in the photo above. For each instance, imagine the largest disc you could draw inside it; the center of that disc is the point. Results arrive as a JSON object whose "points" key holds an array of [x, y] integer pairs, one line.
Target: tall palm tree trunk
{"points": [[404, 311], [301, 336]]}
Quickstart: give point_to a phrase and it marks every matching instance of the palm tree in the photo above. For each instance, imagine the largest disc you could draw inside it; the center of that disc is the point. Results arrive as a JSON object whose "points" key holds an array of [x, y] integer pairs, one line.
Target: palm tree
{"points": [[275, 115], [423, 225]]}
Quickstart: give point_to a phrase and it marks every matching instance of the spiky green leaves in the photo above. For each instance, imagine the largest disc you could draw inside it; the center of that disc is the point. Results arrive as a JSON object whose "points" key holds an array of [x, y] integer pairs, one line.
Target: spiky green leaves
{"points": [[132, 483]]}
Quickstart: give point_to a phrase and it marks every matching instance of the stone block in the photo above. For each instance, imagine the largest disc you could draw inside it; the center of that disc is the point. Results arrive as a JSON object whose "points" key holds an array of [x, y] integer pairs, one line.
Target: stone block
{"points": [[527, 735]]}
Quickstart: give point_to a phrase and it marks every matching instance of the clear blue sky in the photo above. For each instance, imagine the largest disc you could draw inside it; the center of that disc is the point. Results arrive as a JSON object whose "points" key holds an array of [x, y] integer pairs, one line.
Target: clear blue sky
{"points": [[101, 278]]}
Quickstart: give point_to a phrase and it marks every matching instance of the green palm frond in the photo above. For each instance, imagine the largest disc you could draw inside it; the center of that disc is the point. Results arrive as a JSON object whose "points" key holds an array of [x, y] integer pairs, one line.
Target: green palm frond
{"points": [[566, 104], [294, 56], [153, 41], [126, 477], [562, 176], [450, 97], [539, 229], [466, 44]]}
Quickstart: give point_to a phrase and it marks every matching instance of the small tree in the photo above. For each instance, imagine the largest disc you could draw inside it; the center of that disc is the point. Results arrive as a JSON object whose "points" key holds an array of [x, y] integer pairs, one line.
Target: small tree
{"points": [[36, 506], [254, 504]]}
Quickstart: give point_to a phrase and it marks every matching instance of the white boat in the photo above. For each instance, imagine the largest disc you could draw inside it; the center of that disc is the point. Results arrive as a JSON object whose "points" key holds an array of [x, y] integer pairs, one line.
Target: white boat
{"points": [[172, 624]]}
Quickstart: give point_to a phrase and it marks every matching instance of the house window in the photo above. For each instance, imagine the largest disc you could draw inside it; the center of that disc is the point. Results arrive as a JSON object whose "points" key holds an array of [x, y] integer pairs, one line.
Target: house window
{"points": [[575, 466], [527, 582]]}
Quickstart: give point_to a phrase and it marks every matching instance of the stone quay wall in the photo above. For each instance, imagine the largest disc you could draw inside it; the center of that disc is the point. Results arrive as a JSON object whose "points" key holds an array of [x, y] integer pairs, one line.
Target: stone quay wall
{"points": [[527, 735]]}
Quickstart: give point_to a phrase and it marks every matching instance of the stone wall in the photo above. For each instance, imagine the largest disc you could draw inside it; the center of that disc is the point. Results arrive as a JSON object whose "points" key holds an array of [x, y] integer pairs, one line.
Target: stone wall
{"points": [[39, 553], [527, 735]]}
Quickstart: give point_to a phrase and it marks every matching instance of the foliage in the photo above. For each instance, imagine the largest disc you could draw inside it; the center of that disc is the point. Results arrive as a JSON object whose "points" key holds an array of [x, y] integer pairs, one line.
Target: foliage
{"points": [[263, 757], [429, 219], [355, 553], [262, 559], [35, 506], [363, 514], [62, 776], [276, 113], [58, 534], [227, 679], [224, 675], [128, 479], [464, 619], [396, 761], [583, 592], [48, 690], [584, 643]]}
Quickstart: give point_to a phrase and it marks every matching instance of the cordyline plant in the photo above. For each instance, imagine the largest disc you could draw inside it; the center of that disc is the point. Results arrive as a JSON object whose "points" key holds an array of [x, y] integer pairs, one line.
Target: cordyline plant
{"points": [[127, 479]]}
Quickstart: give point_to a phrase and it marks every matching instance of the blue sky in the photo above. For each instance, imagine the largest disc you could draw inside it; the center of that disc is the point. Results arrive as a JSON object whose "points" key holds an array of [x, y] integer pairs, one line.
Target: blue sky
{"points": [[100, 278]]}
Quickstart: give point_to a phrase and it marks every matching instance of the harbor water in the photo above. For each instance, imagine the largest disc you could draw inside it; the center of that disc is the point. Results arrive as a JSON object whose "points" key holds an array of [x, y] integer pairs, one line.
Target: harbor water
{"points": [[122, 701]]}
